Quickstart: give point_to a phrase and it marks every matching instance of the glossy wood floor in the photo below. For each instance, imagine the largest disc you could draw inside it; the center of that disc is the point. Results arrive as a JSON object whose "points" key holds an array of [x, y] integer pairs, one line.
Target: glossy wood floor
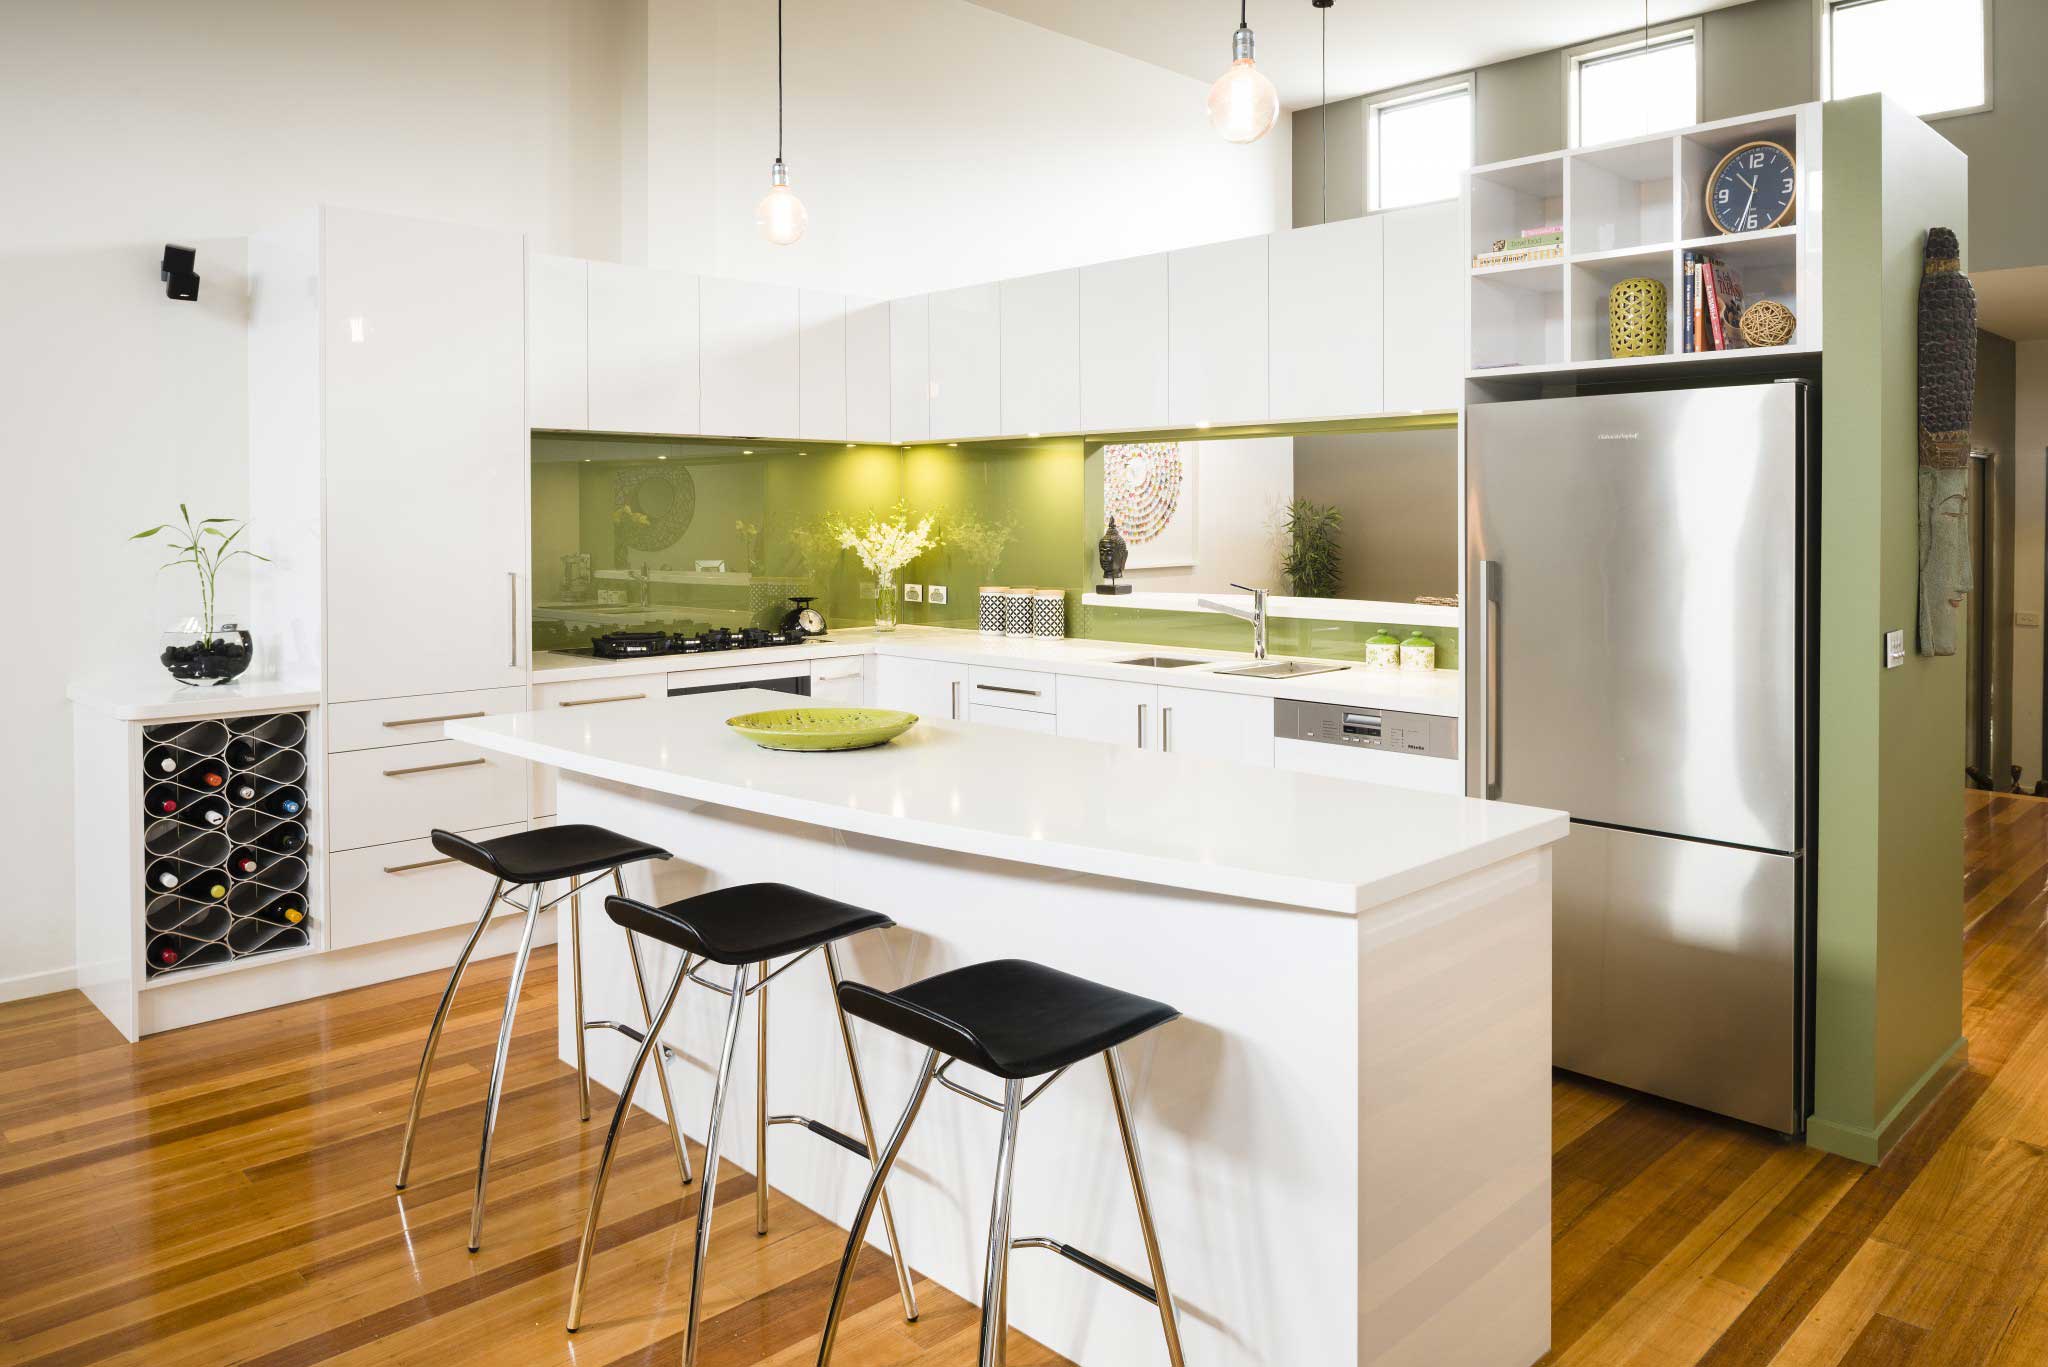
{"points": [[222, 1194]]}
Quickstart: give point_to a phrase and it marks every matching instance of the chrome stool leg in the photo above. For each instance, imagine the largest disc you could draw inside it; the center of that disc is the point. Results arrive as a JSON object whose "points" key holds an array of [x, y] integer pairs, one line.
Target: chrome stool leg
{"points": [[576, 985], [419, 1086], [867, 1133], [497, 1087], [995, 1286], [869, 1199], [611, 1139], [1169, 1320], [668, 1101], [761, 1101], [707, 1193]]}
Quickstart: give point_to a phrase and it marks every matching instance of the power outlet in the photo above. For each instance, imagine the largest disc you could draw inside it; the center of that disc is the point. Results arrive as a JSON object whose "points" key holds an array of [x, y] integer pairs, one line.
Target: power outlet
{"points": [[1894, 649], [2026, 619], [936, 595], [913, 593]]}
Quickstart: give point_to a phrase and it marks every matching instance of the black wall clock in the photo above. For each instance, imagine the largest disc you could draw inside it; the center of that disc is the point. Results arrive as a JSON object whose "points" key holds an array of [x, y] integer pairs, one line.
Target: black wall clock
{"points": [[1753, 188]]}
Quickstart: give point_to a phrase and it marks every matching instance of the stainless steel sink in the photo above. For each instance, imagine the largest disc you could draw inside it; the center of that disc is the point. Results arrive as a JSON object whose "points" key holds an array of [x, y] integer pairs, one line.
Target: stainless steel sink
{"points": [[1283, 669], [1161, 662]]}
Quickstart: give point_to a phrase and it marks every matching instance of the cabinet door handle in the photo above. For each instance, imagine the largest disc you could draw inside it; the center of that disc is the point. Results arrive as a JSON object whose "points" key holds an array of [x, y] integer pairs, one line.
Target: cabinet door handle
{"points": [[1004, 688], [433, 768], [1489, 678], [429, 721], [1141, 726], [956, 699], [422, 864], [1165, 728], [512, 618], [592, 702]]}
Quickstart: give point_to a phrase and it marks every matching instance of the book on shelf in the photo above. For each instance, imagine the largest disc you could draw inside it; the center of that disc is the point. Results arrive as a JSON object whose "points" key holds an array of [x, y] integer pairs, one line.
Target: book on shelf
{"points": [[1542, 239], [1728, 295], [1685, 306], [1711, 304], [1519, 256]]}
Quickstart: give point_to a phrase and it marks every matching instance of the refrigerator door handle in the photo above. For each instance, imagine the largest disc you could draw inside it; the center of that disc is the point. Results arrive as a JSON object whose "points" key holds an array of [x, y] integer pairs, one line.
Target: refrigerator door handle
{"points": [[1489, 683]]}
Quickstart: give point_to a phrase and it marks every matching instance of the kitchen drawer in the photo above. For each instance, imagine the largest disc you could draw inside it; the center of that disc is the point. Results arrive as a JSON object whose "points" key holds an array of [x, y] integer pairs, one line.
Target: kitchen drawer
{"points": [[605, 692], [1014, 718], [375, 797], [385, 891], [841, 682], [410, 721], [740, 676], [1027, 690]]}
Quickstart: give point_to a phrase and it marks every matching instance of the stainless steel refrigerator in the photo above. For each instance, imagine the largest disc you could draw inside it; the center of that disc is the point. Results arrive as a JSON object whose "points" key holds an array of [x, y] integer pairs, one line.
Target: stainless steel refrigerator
{"points": [[1641, 569]]}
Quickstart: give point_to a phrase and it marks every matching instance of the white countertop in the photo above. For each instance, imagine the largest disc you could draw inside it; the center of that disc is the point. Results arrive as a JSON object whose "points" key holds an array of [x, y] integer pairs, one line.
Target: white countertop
{"points": [[1436, 692], [1266, 834], [153, 695]]}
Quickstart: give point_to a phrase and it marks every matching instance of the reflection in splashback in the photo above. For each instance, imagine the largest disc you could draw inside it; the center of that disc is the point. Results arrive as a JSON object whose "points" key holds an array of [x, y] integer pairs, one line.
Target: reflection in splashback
{"points": [[1303, 636]]}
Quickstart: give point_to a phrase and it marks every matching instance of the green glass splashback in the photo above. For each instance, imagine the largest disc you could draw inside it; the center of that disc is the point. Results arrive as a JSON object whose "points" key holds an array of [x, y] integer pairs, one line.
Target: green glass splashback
{"points": [[1284, 635]]}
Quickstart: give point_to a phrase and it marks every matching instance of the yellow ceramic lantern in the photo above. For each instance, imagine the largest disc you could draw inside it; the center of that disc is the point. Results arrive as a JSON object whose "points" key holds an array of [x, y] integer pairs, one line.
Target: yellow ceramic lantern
{"points": [[1636, 323]]}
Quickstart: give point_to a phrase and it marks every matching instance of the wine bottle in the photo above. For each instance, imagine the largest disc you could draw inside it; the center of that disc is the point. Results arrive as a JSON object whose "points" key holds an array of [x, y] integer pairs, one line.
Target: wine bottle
{"points": [[244, 862], [214, 886], [244, 789], [161, 760], [166, 874], [241, 754], [288, 910], [162, 800], [287, 801], [167, 954], [212, 776], [282, 838], [210, 811]]}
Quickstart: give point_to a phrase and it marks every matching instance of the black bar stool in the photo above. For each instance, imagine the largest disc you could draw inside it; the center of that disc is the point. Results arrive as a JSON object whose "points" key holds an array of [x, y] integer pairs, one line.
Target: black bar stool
{"points": [[532, 859], [1017, 1020], [737, 927]]}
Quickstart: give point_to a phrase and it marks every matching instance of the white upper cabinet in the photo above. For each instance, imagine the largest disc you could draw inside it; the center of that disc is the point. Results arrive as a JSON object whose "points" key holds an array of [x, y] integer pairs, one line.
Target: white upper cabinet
{"points": [[910, 368], [643, 350], [1041, 353], [1326, 320], [750, 359], [1124, 365], [557, 335], [1425, 307], [821, 366], [867, 370], [966, 363], [427, 456], [1217, 328]]}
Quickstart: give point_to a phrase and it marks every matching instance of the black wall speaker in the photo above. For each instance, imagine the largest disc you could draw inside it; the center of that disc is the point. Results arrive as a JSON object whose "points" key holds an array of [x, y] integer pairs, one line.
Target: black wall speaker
{"points": [[180, 280]]}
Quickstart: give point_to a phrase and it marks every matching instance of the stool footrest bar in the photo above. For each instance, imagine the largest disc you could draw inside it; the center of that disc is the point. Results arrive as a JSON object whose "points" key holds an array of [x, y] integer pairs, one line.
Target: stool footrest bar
{"points": [[1109, 1272], [633, 1033], [824, 1131]]}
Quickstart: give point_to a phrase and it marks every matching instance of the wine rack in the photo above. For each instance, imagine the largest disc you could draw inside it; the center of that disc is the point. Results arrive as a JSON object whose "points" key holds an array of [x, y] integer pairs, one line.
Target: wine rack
{"points": [[224, 841]]}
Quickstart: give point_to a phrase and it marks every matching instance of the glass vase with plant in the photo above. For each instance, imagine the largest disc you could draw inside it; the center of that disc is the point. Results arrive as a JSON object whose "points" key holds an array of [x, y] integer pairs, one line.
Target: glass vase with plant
{"points": [[885, 545], [200, 650], [1312, 562]]}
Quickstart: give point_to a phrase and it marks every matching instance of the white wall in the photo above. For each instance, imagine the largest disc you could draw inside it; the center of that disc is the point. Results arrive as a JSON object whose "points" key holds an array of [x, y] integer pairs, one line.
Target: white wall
{"points": [[934, 141], [2030, 530]]}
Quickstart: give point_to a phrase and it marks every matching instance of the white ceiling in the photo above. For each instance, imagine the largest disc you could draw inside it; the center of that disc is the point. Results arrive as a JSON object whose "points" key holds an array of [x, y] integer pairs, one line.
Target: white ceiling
{"points": [[1374, 44], [2013, 303]]}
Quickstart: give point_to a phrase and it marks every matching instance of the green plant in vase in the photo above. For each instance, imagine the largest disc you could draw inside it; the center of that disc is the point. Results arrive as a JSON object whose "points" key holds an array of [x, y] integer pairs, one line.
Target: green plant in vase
{"points": [[200, 650], [979, 541], [885, 545], [1312, 562]]}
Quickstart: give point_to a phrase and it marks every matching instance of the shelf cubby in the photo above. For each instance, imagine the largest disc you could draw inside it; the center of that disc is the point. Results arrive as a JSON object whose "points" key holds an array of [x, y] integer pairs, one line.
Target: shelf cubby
{"points": [[1699, 152], [1513, 196], [1622, 198], [1518, 315], [1591, 284]]}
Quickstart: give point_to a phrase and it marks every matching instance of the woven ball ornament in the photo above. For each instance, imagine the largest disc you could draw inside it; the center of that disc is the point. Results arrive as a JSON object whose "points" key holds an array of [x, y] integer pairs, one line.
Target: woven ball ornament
{"points": [[1636, 324], [1768, 323]]}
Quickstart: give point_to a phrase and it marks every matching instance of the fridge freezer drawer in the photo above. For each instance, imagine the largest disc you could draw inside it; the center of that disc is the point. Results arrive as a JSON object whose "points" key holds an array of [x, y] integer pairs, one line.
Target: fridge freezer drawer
{"points": [[1677, 971]]}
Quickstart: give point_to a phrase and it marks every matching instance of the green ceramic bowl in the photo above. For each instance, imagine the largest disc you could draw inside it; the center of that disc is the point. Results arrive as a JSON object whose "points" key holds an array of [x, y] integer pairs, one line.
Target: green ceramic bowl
{"points": [[822, 728]]}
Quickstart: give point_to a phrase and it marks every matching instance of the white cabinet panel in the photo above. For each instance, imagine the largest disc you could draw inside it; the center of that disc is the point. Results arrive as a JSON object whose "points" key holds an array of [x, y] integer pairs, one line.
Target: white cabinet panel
{"points": [[966, 363], [1424, 310], [1217, 327], [1108, 710], [1325, 317], [930, 688], [841, 682], [910, 368], [402, 792], [1041, 722], [1124, 353], [750, 358], [579, 694], [643, 350], [386, 891], [558, 342], [821, 366], [413, 721], [867, 370], [1041, 353], [427, 456], [1031, 689], [1230, 726]]}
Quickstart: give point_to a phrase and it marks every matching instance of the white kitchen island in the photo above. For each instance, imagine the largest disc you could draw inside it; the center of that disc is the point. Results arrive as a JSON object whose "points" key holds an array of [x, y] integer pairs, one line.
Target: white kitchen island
{"points": [[1347, 1133]]}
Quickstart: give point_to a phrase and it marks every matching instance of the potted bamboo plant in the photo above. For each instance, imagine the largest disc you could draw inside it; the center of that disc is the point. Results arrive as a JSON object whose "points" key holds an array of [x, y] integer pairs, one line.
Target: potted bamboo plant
{"points": [[200, 651]]}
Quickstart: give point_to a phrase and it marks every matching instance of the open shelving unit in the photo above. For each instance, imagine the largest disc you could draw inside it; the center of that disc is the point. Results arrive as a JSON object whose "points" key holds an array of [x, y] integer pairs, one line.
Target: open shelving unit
{"points": [[1633, 209]]}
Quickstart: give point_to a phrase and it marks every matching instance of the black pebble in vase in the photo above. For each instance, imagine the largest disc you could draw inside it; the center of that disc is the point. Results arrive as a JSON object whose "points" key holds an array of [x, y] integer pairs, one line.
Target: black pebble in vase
{"points": [[1113, 553]]}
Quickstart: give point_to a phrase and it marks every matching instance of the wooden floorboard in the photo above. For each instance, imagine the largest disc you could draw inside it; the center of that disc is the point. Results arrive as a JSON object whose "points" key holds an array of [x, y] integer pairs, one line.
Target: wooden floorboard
{"points": [[222, 1195]]}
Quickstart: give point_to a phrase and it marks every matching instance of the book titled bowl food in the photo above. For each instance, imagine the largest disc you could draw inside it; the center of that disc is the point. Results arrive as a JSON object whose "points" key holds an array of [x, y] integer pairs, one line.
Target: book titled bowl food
{"points": [[822, 728]]}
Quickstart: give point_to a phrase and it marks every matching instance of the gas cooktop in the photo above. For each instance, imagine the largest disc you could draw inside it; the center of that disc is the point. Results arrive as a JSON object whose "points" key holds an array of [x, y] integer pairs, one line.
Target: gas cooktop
{"points": [[631, 645]]}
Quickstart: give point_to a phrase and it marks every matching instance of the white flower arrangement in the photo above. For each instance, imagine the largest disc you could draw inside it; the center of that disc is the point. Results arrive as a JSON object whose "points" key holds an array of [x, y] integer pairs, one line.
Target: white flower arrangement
{"points": [[886, 544]]}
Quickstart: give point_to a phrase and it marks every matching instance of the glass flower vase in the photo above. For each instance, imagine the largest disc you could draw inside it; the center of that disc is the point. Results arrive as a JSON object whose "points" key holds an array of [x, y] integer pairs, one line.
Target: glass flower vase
{"points": [[885, 603]]}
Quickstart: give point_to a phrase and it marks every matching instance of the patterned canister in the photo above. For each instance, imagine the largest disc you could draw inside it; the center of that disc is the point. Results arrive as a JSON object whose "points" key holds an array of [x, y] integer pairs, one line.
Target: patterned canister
{"points": [[1017, 612], [1418, 652], [1383, 650], [1048, 613], [1636, 321], [992, 597]]}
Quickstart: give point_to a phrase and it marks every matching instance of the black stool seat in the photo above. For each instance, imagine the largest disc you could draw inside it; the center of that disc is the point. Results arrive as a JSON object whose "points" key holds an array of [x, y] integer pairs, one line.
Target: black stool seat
{"points": [[746, 924], [1010, 1017], [547, 855]]}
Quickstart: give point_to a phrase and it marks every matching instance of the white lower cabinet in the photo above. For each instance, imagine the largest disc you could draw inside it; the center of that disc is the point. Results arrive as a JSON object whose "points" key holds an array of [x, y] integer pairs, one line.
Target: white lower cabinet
{"points": [[1015, 718], [842, 682], [1108, 710], [603, 692], [404, 888], [401, 792], [930, 688], [1231, 726]]}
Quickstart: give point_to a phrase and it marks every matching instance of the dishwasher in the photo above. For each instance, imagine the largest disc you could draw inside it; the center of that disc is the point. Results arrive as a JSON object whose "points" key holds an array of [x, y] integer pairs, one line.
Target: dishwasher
{"points": [[1370, 744]]}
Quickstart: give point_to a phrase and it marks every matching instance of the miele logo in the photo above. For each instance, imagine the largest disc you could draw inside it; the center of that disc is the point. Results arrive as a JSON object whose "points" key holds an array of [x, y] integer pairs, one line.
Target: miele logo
{"points": [[1621, 436]]}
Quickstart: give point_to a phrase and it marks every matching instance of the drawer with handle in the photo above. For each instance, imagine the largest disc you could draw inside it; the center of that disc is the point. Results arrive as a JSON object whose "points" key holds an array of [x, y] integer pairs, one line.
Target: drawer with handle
{"points": [[415, 720], [1021, 690], [384, 891], [592, 694], [377, 796]]}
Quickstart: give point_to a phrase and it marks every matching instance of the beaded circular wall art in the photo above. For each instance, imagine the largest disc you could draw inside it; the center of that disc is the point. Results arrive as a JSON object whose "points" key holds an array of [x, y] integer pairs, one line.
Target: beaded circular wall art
{"points": [[1141, 486], [653, 506]]}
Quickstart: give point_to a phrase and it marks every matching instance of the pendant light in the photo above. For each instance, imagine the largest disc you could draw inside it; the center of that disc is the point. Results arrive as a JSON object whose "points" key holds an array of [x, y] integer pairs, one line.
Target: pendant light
{"points": [[1243, 103], [1323, 110], [780, 215]]}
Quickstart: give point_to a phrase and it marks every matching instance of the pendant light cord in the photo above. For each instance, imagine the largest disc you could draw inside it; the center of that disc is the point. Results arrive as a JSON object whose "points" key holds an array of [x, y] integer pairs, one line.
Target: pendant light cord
{"points": [[1324, 119], [778, 76]]}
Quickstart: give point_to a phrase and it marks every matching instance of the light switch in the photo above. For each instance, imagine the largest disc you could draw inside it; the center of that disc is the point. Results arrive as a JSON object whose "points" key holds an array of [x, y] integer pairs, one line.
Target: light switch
{"points": [[1894, 649]]}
